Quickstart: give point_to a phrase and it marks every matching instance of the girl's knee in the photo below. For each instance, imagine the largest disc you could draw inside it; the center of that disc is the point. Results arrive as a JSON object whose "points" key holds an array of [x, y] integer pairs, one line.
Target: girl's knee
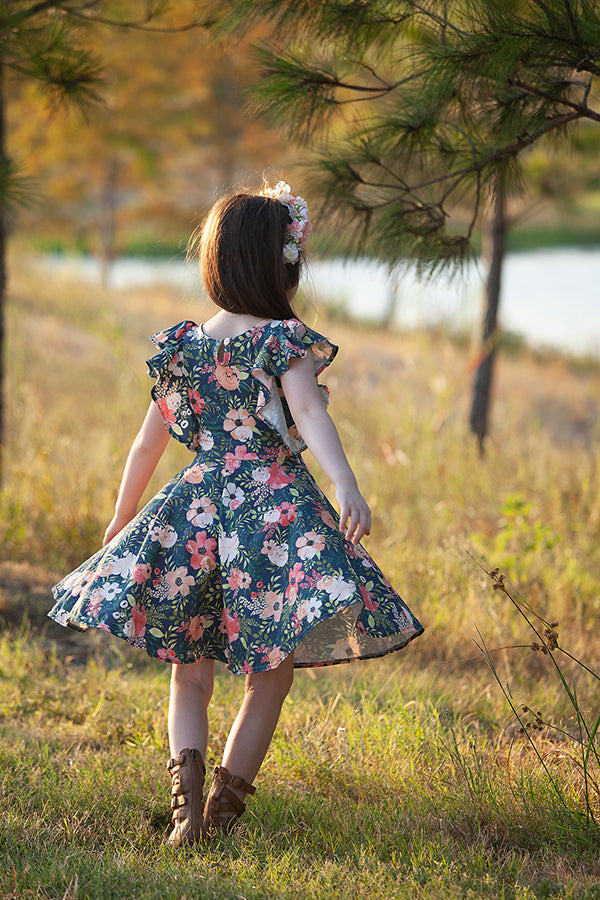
{"points": [[199, 674], [277, 682]]}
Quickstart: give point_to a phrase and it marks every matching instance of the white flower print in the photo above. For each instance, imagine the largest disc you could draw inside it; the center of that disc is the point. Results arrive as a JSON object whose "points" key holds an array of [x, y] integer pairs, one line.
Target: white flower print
{"points": [[232, 496], [272, 515], [313, 609], [173, 401], [310, 544], [261, 474], [336, 587], [123, 565], [206, 440], [176, 365], [277, 553], [229, 545], [110, 590], [201, 512], [165, 535]]}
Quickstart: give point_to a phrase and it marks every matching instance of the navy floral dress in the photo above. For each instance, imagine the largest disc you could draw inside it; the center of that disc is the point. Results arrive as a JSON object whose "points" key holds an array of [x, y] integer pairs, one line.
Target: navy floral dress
{"points": [[239, 557]]}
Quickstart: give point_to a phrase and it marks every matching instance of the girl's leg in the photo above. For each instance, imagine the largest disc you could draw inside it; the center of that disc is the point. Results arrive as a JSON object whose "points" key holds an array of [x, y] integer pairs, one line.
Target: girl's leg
{"points": [[257, 719], [191, 690]]}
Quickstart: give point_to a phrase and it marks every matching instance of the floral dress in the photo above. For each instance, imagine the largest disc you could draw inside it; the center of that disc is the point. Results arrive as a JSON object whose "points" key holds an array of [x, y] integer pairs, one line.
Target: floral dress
{"points": [[239, 557]]}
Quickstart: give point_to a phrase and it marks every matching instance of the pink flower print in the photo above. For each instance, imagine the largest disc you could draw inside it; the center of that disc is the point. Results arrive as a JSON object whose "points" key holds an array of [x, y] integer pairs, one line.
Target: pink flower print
{"points": [[278, 477], [288, 513], [195, 627], [167, 413], [202, 549], [310, 544], [234, 579], [277, 553], [106, 568], [235, 459], [201, 512], [273, 606], [136, 626], [195, 474], [196, 401], [232, 625], [295, 577], [227, 376], [327, 518], [232, 496], [370, 604], [141, 572], [247, 668], [272, 343], [95, 601], [185, 326], [164, 534], [240, 423], [167, 655], [179, 581], [245, 580], [301, 610], [274, 657]]}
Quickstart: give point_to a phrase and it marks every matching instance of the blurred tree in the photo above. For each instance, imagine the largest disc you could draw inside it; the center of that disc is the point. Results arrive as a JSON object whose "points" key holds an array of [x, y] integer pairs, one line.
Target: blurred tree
{"points": [[47, 43], [420, 113], [172, 129], [37, 42]]}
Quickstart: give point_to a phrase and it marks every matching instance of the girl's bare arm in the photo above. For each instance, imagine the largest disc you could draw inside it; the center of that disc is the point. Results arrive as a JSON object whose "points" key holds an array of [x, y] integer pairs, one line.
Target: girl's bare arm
{"points": [[318, 430], [146, 450]]}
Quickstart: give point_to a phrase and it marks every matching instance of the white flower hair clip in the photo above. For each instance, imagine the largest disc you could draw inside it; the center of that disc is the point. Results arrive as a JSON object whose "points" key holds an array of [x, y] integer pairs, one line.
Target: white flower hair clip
{"points": [[299, 229]]}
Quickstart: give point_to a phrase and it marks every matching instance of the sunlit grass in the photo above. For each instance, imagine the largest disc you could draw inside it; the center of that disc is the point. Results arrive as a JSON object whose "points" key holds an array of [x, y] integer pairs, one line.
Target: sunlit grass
{"points": [[404, 777]]}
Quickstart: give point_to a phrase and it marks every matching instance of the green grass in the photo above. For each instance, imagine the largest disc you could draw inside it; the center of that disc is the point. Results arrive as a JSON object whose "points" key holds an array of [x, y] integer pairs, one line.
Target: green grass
{"points": [[376, 788], [405, 777]]}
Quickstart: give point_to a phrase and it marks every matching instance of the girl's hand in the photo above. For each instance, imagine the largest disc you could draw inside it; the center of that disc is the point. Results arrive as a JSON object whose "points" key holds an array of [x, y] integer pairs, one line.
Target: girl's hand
{"points": [[355, 515], [116, 525]]}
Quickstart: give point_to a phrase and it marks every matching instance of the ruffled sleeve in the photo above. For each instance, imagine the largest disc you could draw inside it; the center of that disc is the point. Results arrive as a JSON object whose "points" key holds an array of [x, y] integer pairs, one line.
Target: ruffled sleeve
{"points": [[172, 391], [283, 341]]}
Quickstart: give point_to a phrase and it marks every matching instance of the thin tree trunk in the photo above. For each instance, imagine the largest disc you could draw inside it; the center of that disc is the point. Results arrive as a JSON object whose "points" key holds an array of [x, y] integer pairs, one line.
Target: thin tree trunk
{"points": [[108, 219], [3, 170], [479, 419]]}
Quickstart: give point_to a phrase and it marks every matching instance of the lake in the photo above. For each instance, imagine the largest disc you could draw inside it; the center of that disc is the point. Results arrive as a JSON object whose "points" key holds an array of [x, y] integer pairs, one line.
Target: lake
{"points": [[550, 297]]}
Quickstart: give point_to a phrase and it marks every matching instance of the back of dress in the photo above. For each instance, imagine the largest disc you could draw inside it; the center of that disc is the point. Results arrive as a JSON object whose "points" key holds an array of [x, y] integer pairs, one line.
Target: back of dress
{"points": [[239, 557]]}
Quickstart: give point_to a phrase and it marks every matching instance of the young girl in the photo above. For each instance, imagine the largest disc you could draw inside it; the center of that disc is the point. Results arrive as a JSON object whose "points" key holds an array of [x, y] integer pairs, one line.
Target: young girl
{"points": [[240, 557]]}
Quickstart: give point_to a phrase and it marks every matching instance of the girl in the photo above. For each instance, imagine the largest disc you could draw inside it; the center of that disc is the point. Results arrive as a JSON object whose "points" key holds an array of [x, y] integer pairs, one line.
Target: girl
{"points": [[240, 557]]}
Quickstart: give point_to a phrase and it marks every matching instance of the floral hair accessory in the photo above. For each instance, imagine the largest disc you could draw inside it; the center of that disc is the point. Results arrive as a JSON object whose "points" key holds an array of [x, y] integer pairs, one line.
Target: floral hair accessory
{"points": [[299, 229]]}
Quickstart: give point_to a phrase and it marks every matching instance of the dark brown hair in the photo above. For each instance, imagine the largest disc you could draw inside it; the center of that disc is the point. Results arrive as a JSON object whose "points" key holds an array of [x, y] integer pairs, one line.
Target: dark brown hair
{"points": [[240, 249]]}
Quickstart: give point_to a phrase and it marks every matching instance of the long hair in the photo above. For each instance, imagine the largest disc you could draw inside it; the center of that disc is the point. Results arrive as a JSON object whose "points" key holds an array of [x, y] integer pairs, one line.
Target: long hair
{"points": [[240, 249]]}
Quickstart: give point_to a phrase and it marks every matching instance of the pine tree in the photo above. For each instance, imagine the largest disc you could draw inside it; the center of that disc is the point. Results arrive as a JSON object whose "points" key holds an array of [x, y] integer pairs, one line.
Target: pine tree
{"points": [[46, 43], [419, 115]]}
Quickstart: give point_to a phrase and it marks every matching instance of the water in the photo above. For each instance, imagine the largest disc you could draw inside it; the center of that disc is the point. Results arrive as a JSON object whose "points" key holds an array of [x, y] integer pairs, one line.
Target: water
{"points": [[551, 298]]}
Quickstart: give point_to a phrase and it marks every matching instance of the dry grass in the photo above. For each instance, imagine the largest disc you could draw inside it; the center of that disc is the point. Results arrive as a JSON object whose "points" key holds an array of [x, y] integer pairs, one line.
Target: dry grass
{"points": [[407, 774]]}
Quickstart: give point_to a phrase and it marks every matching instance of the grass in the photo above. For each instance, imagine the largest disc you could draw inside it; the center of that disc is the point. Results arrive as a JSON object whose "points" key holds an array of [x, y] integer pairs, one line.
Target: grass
{"points": [[400, 778]]}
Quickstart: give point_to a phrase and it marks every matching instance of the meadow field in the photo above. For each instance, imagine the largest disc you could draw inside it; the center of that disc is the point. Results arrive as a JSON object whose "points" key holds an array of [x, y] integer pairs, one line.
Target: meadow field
{"points": [[418, 776]]}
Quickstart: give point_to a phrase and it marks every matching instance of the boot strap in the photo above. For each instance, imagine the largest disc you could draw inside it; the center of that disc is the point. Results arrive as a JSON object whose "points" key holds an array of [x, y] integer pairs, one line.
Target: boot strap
{"points": [[223, 776], [180, 759]]}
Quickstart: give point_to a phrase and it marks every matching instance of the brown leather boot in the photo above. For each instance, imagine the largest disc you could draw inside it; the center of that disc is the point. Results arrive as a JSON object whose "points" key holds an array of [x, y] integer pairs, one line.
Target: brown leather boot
{"points": [[187, 777], [224, 807]]}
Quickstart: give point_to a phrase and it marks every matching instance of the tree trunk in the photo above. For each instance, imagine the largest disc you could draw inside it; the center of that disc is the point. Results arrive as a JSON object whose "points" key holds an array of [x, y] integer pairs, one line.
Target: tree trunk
{"points": [[108, 219], [483, 377], [3, 220]]}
